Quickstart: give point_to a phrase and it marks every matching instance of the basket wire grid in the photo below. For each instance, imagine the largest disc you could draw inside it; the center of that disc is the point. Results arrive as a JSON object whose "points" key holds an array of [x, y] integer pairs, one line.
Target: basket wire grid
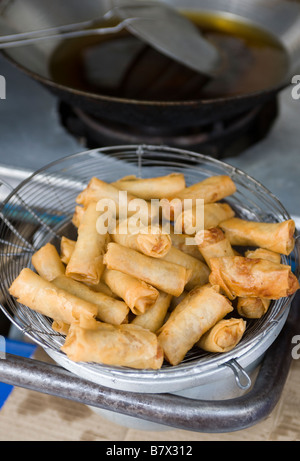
{"points": [[40, 210]]}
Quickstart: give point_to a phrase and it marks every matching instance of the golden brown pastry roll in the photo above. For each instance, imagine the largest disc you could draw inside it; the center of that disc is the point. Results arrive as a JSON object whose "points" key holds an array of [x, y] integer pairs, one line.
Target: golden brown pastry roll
{"points": [[124, 345], [211, 190], [255, 308], [136, 293], [97, 190], [160, 274], [258, 278], [149, 240], [47, 262], [276, 237], [186, 244], [252, 308], [60, 327], [199, 270], [44, 297], [263, 254], [110, 310], [152, 188], [177, 300], [77, 216], [103, 288], [202, 308], [213, 244], [223, 336], [154, 317], [86, 262], [67, 247], [213, 215]]}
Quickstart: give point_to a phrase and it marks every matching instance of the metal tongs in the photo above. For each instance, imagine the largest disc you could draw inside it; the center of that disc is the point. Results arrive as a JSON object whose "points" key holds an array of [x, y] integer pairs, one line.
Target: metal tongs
{"points": [[155, 23]]}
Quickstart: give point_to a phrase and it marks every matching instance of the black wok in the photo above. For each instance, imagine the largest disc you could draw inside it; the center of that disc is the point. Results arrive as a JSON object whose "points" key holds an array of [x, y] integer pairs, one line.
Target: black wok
{"points": [[282, 20]]}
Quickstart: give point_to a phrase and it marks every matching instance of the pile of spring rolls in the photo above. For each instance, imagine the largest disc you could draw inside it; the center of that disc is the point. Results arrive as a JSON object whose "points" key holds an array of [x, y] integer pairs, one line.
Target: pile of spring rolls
{"points": [[139, 299]]}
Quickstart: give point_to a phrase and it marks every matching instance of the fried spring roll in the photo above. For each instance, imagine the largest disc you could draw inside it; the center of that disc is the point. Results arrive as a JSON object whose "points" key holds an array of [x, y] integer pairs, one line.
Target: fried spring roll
{"points": [[177, 299], [149, 240], [77, 216], [137, 294], [67, 247], [199, 270], [154, 317], [252, 308], [263, 254], [44, 297], [60, 327], [258, 278], [86, 262], [255, 308], [47, 262], [223, 336], [103, 288], [214, 214], [277, 237], [124, 345], [202, 308], [186, 244], [110, 310], [211, 190], [163, 275], [213, 244], [152, 188], [97, 190]]}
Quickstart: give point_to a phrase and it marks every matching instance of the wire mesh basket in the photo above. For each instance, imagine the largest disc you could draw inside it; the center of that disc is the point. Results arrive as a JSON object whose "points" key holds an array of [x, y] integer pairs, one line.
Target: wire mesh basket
{"points": [[40, 210]]}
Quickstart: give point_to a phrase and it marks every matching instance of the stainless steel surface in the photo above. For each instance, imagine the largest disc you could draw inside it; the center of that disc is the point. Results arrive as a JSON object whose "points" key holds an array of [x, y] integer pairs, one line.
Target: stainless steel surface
{"points": [[159, 25]]}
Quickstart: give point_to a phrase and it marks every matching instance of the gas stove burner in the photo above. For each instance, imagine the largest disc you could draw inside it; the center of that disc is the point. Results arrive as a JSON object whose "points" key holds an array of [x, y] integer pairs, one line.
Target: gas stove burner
{"points": [[219, 139]]}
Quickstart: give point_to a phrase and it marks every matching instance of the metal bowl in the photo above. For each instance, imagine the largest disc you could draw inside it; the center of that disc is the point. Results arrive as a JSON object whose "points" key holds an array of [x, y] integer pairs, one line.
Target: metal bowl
{"points": [[40, 210]]}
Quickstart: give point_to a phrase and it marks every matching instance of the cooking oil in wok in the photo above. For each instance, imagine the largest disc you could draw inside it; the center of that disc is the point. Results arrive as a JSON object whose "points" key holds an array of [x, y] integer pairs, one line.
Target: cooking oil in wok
{"points": [[120, 65]]}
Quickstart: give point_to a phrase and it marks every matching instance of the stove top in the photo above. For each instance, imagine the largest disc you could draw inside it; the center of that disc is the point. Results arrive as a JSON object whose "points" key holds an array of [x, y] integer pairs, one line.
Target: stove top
{"points": [[218, 139], [32, 135]]}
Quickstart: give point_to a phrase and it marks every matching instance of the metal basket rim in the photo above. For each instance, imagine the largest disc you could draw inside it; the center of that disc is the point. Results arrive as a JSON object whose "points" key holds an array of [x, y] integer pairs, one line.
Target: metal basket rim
{"points": [[182, 369]]}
